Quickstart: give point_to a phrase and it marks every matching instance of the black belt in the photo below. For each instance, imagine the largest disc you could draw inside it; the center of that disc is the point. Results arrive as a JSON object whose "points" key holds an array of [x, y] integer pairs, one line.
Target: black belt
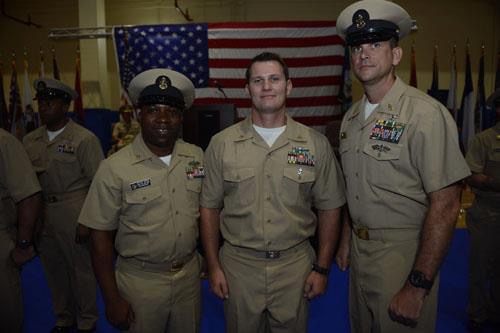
{"points": [[270, 254], [166, 266]]}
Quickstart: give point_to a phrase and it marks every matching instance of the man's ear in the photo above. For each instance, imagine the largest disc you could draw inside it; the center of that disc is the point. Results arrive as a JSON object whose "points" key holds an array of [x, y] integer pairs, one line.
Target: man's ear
{"points": [[397, 55]]}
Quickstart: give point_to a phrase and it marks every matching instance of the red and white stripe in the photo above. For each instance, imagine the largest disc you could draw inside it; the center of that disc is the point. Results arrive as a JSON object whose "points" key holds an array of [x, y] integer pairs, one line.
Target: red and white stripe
{"points": [[312, 50]]}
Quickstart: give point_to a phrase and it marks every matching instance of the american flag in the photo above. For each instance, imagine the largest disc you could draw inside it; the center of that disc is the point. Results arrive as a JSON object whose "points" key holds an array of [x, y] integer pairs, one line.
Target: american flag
{"points": [[215, 56]]}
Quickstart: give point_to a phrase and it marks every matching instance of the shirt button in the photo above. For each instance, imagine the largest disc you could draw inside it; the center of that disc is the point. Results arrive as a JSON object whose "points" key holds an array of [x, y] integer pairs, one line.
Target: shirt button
{"points": [[173, 190], [269, 243], [357, 150], [180, 234], [176, 212], [268, 220], [144, 198], [268, 198], [356, 174], [357, 198]]}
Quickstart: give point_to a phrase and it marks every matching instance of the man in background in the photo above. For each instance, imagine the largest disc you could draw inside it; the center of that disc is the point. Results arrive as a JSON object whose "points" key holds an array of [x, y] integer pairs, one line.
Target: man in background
{"points": [[65, 156], [124, 131], [483, 223]]}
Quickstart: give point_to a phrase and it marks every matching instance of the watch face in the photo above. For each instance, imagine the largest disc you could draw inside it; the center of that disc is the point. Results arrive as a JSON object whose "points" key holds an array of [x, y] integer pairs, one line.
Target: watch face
{"points": [[417, 278]]}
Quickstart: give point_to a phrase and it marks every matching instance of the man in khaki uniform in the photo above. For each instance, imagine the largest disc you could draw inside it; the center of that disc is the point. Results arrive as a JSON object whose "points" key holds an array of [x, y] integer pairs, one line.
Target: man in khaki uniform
{"points": [[65, 156], [401, 161], [147, 194], [125, 131], [20, 207], [263, 175], [483, 222]]}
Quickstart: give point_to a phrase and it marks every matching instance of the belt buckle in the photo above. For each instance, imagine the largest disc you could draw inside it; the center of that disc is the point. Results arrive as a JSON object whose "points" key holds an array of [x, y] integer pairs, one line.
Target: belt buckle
{"points": [[363, 233], [176, 266], [273, 254]]}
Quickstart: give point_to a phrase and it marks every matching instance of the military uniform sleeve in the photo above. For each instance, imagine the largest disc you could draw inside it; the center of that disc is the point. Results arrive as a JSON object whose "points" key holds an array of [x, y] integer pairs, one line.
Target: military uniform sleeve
{"points": [[90, 155], [103, 202], [212, 192], [435, 150], [16, 170], [476, 155], [329, 188]]}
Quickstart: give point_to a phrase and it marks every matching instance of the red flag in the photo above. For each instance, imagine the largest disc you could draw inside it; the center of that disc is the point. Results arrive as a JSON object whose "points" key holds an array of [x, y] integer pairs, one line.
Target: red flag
{"points": [[413, 73], [78, 103], [4, 112], [435, 70], [15, 107]]}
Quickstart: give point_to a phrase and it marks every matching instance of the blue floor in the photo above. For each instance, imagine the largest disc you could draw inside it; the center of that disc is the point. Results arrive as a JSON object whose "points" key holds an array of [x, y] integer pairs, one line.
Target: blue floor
{"points": [[327, 314]]}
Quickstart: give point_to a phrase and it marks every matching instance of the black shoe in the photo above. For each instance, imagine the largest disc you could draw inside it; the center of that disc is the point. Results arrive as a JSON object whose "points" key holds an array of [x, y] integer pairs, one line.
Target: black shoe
{"points": [[89, 330], [62, 329], [474, 326]]}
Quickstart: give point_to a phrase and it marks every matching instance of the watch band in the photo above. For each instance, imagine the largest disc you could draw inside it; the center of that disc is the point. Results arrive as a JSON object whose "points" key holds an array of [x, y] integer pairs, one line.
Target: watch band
{"points": [[320, 270]]}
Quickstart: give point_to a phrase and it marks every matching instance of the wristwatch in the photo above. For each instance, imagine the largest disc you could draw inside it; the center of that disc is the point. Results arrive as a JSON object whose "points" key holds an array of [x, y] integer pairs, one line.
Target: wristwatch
{"points": [[24, 243], [418, 280], [320, 270]]}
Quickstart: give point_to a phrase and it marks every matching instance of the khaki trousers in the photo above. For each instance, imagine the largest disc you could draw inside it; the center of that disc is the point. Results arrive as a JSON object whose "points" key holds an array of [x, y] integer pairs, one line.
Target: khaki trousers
{"points": [[266, 295], [11, 307], [162, 301], [67, 266], [379, 269], [483, 223]]}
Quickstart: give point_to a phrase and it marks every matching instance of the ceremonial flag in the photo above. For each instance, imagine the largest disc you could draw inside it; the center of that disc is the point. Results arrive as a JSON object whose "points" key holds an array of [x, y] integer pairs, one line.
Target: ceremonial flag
{"points": [[413, 69], [4, 112], [78, 103], [497, 75], [486, 114], [345, 94], [466, 114], [435, 71], [41, 73], [15, 107], [29, 114], [55, 68], [452, 90], [215, 55]]}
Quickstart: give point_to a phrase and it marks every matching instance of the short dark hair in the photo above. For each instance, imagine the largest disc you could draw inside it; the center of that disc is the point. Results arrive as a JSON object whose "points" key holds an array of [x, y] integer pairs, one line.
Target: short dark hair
{"points": [[267, 56]]}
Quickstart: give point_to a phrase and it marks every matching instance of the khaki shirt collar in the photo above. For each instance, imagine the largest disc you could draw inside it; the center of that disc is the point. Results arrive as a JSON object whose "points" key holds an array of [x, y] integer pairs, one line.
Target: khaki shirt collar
{"points": [[293, 131], [141, 151], [388, 104]]}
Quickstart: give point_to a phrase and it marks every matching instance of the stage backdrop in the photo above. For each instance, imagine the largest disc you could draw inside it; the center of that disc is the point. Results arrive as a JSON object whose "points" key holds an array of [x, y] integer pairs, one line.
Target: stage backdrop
{"points": [[215, 56]]}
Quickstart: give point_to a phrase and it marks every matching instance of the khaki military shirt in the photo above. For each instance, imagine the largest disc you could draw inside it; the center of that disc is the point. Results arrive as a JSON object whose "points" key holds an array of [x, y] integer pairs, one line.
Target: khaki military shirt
{"points": [[267, 193], [483, 156], [67, 163], [153, 207], [17, 178], [406, 149]]}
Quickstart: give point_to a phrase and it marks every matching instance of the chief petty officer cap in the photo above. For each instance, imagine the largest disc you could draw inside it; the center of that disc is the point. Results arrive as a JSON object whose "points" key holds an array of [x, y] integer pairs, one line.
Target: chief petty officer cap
{"points": [[370, 21], [48, 88], [162, 86]]}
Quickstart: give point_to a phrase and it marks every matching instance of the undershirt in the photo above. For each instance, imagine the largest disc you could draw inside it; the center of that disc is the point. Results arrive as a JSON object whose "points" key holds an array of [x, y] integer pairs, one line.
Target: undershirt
{"points": [[269, 134]]}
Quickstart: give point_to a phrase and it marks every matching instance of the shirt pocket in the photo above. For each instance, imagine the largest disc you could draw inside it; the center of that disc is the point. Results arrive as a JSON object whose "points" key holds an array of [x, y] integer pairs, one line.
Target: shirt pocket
{"points": [[142, 206], [65, 169], [383, 160], [239, 187], [193, 190], [296, 185]]}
